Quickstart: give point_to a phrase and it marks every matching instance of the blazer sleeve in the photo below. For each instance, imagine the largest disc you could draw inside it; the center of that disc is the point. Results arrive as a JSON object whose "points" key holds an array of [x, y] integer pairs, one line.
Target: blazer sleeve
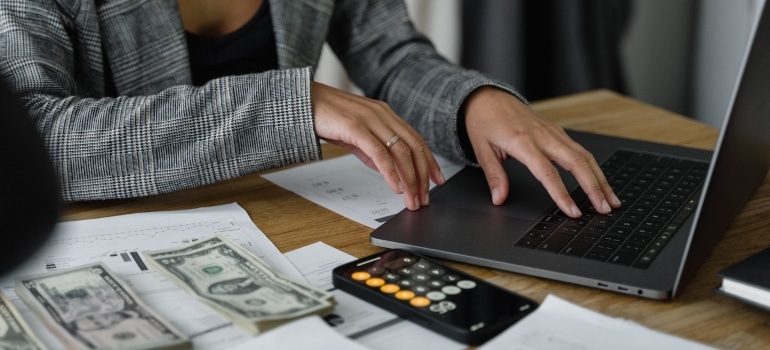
{"points": [[128, 146], [389, 60]]}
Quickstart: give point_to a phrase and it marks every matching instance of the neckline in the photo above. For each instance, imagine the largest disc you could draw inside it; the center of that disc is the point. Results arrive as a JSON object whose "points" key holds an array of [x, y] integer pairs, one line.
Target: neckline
{"points": [[261, 13]]}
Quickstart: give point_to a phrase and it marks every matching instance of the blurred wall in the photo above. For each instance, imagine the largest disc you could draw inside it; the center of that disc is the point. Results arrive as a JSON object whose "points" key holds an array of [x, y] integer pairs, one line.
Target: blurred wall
{"points": [[721, 39]]}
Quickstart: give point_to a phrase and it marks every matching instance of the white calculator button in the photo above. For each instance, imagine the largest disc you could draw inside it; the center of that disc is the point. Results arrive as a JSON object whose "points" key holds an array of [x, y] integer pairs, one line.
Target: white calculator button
{"points": [[466, 284], [451, 290], [436, 296]]}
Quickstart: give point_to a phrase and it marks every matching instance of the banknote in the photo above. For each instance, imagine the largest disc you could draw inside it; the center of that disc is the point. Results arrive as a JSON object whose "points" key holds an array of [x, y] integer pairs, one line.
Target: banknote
{"points": [[14, 331], [219, 239], [89, 307], [238, 285]]}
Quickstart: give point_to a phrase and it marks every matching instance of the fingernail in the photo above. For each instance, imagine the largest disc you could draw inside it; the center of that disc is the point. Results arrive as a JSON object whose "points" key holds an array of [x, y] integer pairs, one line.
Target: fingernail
{"points": [[441, 177], [495, 195], [575, 211], [416, 202], [606, 206], [409, 204], [425, 199], [615, 200], [401, 187]]}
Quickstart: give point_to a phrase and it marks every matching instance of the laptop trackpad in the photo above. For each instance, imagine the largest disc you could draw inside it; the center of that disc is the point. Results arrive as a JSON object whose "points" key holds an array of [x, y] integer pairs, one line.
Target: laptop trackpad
{"points": [[447, 229], [527, 198]]}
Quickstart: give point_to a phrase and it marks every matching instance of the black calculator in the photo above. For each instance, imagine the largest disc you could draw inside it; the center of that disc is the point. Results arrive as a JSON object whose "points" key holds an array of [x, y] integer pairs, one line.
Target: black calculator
{"points": [[436, 296]]}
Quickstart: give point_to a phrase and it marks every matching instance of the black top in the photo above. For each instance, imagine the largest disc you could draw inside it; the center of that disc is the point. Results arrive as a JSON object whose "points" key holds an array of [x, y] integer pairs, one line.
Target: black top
{"points": [[250, 49]]}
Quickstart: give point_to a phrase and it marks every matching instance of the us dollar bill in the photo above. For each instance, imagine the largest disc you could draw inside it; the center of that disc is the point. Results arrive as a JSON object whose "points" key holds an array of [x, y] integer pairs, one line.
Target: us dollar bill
{"points": [[14, 331], [89, 307], [218, 239], [238, 285]]}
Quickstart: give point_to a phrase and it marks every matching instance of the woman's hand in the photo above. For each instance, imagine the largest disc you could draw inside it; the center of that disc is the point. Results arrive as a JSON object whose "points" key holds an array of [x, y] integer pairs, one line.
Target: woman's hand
{"points": [[381, 139], [499, 125]]}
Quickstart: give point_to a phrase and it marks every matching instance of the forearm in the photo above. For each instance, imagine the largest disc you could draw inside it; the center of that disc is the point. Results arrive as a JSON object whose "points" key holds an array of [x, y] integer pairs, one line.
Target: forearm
{"points": [[433, 103], [179, 138], [392, 62]]}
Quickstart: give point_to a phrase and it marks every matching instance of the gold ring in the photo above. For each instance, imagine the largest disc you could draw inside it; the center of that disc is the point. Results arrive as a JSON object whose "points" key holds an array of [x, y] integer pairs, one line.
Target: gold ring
{"points": [[392, 141]]}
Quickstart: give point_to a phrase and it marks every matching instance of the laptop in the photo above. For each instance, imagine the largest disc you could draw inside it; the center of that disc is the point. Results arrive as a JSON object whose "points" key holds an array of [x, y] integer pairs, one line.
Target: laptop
{"points": [[678, 203]]}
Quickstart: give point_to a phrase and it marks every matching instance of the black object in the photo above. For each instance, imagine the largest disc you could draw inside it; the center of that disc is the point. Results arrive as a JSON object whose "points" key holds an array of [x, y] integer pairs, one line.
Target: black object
{"points": [[29, 191], [436, 296], [748, 280]]}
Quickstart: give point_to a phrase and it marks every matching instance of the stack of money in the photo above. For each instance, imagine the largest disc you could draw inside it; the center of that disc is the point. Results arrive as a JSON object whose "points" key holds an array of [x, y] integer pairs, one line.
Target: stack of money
{"points": [[14, 332], [89, 307], [238, 285]]}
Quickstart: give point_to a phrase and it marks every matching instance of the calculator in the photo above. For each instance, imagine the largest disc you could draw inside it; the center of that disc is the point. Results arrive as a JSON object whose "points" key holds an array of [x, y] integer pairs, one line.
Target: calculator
{"points": [[446, 300]]}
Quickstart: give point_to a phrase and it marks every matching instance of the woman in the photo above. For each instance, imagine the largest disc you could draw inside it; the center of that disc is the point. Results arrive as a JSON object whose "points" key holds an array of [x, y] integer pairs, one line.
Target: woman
{"points": [[111, 86]]}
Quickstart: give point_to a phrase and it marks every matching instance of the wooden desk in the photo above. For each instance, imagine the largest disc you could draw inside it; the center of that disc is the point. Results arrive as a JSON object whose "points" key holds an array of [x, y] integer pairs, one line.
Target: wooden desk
{"points": [[697, 313]]}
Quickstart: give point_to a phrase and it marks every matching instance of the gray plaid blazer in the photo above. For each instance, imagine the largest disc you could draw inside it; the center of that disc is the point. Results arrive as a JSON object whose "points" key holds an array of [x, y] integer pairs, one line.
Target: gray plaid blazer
{"points": [[161, 134]]}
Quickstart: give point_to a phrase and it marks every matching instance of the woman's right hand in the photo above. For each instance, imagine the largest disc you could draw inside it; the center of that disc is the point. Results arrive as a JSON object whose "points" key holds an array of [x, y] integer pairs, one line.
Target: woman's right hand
{"points": [[366, 128]]}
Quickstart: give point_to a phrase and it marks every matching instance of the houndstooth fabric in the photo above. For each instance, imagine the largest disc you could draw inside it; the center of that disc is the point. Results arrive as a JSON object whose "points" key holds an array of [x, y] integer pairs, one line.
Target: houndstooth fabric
{"points": [[159, 133]]}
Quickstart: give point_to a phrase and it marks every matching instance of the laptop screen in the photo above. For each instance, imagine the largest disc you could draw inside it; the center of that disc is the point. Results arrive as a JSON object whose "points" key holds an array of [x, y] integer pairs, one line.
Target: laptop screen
{"points": [[742, 157]]}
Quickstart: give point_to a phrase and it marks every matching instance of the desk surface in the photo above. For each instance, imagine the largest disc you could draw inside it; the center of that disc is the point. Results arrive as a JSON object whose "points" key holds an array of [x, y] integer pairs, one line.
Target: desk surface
{"points": [[698, 313]]}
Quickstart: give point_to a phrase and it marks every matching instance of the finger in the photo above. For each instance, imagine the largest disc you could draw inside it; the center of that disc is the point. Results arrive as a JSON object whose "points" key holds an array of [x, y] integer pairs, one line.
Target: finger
{"points": [[425, 164], [405, 166], [605, 185], [588, 174], [411, 155], [421, 196], [497, 179], [545, 172], [394, 159]]}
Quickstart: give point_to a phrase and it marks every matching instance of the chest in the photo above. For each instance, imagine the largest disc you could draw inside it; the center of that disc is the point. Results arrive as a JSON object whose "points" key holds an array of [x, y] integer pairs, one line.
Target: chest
{"points": [[215, 18]]}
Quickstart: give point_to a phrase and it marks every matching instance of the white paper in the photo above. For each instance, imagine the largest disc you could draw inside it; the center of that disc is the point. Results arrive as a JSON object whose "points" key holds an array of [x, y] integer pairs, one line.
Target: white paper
{"points": [[348, 187], [307, 333], [560, 325], [365, 323], [118, 242]]}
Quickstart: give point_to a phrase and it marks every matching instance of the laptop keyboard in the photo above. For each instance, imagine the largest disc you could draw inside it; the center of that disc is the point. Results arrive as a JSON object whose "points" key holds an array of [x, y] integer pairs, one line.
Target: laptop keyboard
{"points": [[658, 194]]}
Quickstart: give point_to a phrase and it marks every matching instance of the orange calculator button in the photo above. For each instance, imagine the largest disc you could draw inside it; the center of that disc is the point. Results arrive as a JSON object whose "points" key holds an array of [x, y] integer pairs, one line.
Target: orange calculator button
{"points": [[390, 288], [404, 295], [420, 302], [375, 282], [360, 276]]}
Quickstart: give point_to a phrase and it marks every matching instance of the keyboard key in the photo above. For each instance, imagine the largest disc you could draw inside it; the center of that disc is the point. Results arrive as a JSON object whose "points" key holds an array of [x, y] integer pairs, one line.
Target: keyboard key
{"points": [[633, 216], [624, 257], [577, 248], [595, 229], [613, 239], [538, 235], [545, 227], [607, 247], [588, 237], [556, 242], [621, 231], [641, 239], [597, 254], [527, 242], [632, 247], [570, 229], [602, 221], [553, 219]]}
